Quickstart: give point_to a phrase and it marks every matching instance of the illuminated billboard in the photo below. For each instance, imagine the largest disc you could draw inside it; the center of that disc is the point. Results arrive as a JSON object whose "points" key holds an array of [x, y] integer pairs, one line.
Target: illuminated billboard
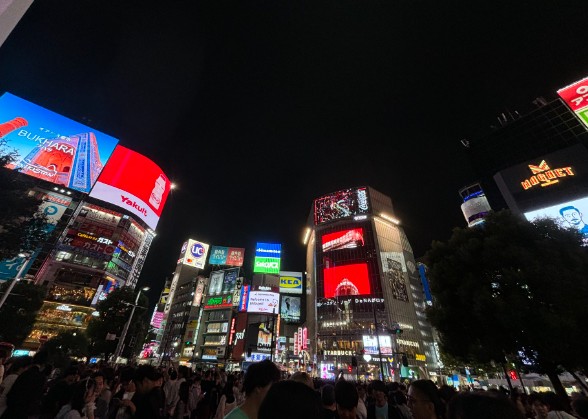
{"points": [[370, 345], [216, 282], [259, 299], [341, 204], [569, 214], [135, 183], [52, 147], [291, 282], [230, 256], [267, 258], [290, 309], [340, 281], [195, 254], [344, 239], [576, 97]]}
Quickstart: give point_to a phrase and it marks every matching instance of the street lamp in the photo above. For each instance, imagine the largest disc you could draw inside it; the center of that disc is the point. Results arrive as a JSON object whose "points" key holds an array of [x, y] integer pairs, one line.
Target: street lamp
{"points": [[121, 339], [17, 278]]}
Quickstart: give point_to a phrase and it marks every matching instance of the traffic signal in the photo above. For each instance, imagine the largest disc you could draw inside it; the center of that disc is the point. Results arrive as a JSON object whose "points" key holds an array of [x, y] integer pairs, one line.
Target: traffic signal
{"points": [[189, 342], [513, 375], [354, 361], [349, 368], [397, 331]]}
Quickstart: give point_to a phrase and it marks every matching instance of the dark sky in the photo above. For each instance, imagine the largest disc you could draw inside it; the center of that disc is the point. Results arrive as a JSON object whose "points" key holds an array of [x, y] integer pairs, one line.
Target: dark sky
{"points": [[254, 108]]}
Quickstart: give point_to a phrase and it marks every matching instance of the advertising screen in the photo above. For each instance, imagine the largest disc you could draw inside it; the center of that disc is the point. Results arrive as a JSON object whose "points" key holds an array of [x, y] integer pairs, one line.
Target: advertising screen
{"points": [[370, 345], [230, 256], [346, 280], [195, 254], [291, 282], [135, 183], [220, 301], [290, 309], [261, 299], [341, 204], [345, 239], [568, 214], [216, 282], [267, 258], [576, 97], [52, 147]]}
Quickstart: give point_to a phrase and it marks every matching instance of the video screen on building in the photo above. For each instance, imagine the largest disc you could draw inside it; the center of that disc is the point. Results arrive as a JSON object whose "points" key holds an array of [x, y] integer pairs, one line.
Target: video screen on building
{"points": [[52, 147], [267, 258], [572, 214], [341, 204], [135, 183], [370, 345], [576, 97], [345, 239], [341, 281], [290, 309]]}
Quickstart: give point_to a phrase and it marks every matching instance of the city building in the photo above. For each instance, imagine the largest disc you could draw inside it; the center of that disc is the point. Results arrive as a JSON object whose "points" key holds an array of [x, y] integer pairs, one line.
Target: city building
{"points": [[364, 297]]}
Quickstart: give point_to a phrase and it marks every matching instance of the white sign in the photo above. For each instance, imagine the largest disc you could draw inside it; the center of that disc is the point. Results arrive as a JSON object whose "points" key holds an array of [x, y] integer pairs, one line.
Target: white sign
{"points": [[196, 253], [263, 302]]}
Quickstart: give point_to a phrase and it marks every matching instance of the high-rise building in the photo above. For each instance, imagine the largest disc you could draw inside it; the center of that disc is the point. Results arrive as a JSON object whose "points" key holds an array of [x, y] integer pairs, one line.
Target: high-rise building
{"points": [[365, 300]]}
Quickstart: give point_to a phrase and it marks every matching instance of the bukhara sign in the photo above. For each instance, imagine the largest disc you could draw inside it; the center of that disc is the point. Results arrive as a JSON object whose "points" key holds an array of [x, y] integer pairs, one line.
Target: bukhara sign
{"points": [[545, 176]]}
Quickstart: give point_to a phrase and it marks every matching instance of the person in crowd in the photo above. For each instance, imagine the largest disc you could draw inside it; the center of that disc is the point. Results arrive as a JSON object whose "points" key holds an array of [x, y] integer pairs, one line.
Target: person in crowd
{"points": [[81, 403], [103, 395], [17, 366], [380, 409], [3, 358], [182, 410], [238, 390], [552, 404], [147, 402], [227, 401], [288, 400], [125, 391], [347, 399], [424, 401], [328, 403], [303, 377], [580, 407], [24, 399], [482, 405], [171, 389], [361, 404], [59, 393], [539, 409], [195, 392], [446, 393], [258, 379], [398, 400]]}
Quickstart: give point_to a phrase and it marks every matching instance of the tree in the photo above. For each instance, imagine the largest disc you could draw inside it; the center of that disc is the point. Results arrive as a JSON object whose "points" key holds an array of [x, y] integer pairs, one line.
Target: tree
{"points": [[512, 288], [64, 346], [22, 227], [114, 313], [18, 313]]}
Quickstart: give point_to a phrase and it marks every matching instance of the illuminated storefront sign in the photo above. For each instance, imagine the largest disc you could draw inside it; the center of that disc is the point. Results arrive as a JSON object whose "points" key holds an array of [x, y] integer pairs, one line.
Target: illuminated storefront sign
{"points": [[420, 357], [545, 176], [291, 282], [230, 256], [221, 301], [267, 258], [195, 254], [339, 352]]}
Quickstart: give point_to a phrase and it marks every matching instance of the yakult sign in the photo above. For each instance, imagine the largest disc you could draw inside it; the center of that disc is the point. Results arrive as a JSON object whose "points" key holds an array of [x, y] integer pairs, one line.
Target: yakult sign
{"points": [[135, 183], [196, 254]]}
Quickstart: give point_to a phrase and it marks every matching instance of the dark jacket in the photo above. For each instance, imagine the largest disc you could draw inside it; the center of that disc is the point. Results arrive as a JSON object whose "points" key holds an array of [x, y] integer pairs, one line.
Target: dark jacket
{"points": [[393, 413]]}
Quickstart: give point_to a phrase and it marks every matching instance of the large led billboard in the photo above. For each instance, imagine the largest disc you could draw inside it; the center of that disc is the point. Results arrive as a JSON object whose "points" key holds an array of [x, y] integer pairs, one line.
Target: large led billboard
{"points": [[290, 309], [135, 183], [52, 147], [195, 254], [259, 299], [267, 258], [370, 345], [345, 280], [344, 239], [569, 214], [576, 97], [230, 256], [341, 204]]}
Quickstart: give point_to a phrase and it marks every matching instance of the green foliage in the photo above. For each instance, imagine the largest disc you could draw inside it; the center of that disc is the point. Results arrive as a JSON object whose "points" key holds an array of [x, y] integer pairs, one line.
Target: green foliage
{"points": [[22, 228], [114, 312], [64, 346], [17, 315], [511, 287]]}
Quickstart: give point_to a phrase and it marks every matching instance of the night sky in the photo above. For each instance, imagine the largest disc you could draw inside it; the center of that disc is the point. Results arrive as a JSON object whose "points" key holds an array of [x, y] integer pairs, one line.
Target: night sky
{"points": [[254, 108]]}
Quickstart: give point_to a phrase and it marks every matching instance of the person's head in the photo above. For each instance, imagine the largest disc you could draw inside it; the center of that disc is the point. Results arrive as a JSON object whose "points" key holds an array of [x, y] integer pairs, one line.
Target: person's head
{"points": [[258, 379], [3, 355], [552, 401], [328, 396], [40, 358], [580, 406], [83, 392], [303, 377], [446, 393], [361, 391], [99, 380], [146, 378], [71, 374], [538, 406], [379, 390], [480, 405], [19, 364], [572, 215], [289, 400], [346, 398], [423, 400]]}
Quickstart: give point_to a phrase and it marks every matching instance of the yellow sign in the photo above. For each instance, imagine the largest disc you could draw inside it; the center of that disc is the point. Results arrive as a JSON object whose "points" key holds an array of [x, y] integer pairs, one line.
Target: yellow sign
{"points": [[421, 357], [545, 176], [290, 282]]}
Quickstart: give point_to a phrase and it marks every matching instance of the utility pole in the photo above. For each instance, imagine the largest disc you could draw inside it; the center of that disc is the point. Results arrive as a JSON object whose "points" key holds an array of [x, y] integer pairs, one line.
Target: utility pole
{"points": [[378, 340], [121, 339], [16, 278]]}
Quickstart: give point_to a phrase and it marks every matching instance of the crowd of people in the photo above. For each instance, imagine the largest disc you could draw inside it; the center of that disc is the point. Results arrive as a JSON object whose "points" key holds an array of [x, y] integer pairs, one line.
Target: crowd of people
{"points": [[30, 388]]}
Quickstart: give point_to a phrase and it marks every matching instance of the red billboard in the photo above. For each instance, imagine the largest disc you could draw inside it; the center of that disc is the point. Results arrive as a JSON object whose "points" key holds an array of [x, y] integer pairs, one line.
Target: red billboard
{"points": [[576, 94], [345, 239], [133, 182], [340, 281]]}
